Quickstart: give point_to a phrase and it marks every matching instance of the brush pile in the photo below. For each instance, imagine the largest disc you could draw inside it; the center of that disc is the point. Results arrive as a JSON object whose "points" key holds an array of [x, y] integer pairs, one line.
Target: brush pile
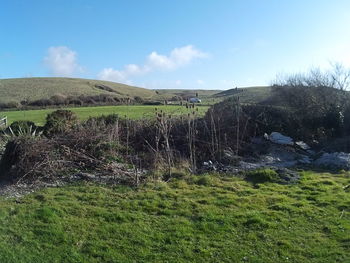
{"points": [[92, 148]]}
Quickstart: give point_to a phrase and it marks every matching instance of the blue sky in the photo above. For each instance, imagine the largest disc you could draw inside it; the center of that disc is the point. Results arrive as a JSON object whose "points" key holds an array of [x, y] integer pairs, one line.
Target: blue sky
{"points": [[172, 44]]}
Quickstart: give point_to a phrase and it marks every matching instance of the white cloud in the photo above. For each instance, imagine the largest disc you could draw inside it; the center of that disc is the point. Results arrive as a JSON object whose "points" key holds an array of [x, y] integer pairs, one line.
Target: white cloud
{"points": [[62, 61], [112, 75], [177, 58]]}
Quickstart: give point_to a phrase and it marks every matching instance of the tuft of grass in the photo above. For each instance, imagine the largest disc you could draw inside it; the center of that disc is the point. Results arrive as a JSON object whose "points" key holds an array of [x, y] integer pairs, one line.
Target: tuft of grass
{"points": [[262, 175], [206, 180], [221, 219]]}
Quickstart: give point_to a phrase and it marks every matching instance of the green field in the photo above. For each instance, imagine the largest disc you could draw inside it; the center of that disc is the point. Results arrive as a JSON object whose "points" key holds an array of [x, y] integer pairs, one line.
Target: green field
{"points": [[191, 219], [132, 111]]}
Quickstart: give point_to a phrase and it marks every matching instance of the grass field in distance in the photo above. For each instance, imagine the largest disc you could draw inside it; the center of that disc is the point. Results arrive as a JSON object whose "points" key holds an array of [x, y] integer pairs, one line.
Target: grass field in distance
{"points": [[83, 113]]}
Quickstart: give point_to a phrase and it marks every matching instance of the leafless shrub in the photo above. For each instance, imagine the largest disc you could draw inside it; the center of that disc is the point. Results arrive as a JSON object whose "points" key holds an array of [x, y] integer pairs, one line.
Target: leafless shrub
{"points": [[338, 77]]}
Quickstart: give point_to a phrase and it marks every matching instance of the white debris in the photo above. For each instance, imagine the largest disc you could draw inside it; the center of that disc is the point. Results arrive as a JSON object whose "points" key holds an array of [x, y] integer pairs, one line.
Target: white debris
{"points": [[278, 138], [303, 145]]}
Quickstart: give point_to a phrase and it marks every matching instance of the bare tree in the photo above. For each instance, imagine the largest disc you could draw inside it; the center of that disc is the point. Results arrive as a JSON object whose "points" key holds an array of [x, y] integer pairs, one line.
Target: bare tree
{"points": [[337, 77], [340, 76], [164, 125]]}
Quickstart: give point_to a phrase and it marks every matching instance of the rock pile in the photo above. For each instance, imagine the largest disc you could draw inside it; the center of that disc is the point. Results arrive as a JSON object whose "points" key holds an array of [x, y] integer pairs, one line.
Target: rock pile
{"points": [[279, 152], [336, 160]]}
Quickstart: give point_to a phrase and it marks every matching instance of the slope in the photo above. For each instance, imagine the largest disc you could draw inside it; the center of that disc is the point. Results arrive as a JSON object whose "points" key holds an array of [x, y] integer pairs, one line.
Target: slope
{"points": [[249, 94], [43, 88]]}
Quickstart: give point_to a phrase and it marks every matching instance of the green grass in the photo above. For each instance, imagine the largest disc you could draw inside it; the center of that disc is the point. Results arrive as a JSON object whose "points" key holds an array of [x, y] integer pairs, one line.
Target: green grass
{"points": [[248, 95], [191, 219], [207, 96], [38, 88], [133, 112]]}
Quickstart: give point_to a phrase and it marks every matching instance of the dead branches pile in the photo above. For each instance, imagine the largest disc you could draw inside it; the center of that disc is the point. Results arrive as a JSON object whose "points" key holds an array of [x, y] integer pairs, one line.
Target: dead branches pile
{"points": [[89, 149]]}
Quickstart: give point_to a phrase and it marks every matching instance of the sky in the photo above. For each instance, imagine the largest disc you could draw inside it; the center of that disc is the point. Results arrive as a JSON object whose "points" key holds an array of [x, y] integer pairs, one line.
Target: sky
{"points": [[190, 44]]}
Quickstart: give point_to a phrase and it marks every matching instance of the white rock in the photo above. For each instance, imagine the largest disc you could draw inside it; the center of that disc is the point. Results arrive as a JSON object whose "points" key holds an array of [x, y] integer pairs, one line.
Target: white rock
{"points": [[278, 138], [303, 145]]}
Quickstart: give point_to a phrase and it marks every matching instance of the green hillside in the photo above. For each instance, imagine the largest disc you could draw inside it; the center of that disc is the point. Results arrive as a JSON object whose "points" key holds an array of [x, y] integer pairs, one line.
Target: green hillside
{"points": [[30, 89], [207, 96], [168, 93], [43, 88], [258, 94], [249, 94]]}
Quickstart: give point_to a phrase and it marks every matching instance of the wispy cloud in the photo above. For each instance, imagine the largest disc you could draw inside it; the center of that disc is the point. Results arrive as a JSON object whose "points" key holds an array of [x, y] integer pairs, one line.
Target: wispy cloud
{"points": [[177, 58], [62, 62]]}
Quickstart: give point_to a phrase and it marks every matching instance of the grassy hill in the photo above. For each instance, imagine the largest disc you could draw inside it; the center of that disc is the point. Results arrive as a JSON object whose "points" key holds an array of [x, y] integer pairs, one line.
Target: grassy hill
{"points": [[249, 94], [30, 89], [43, 88], [207, 96]]}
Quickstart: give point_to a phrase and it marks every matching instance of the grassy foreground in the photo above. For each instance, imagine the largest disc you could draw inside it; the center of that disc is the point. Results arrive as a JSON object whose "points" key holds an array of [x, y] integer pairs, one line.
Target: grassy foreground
{"points": [[195, 219], [133, 112]]}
